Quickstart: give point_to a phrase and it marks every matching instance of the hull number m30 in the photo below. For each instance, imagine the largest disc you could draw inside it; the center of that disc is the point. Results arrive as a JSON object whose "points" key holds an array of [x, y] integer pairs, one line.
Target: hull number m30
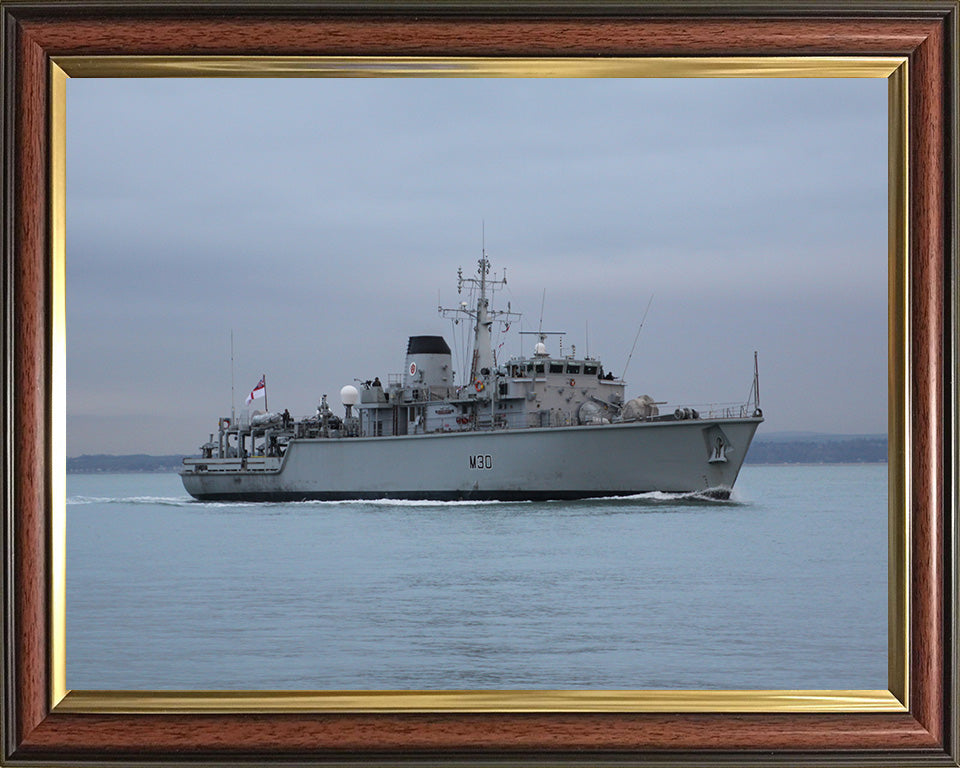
{"points": [[481, 461]]}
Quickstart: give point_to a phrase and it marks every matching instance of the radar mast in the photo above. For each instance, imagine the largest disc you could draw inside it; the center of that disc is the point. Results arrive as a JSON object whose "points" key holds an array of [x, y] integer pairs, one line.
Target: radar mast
{"points": [[483, 316]]}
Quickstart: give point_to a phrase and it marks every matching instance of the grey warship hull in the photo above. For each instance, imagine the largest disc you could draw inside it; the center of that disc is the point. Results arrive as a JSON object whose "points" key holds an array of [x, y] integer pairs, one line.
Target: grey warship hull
{"points": [[532, 427], [573, 462]]}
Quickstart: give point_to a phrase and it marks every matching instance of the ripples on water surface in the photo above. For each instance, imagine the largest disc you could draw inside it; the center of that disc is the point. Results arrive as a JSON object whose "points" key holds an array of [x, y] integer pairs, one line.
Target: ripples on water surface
{"points": [[784, 586]]}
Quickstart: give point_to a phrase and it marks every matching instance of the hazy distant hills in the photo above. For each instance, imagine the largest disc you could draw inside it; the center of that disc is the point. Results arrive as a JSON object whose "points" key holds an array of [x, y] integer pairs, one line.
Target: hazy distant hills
{"points": [[817, 448], [772, 448], [137, 462]]}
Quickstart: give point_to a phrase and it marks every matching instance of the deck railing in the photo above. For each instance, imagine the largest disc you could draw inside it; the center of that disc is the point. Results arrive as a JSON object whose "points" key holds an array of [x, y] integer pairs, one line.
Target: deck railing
{"points": [[717, 410]]}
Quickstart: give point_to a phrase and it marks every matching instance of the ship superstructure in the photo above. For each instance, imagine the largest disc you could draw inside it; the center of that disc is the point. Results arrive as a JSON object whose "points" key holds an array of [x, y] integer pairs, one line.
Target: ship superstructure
{"points": [[540, 426]]}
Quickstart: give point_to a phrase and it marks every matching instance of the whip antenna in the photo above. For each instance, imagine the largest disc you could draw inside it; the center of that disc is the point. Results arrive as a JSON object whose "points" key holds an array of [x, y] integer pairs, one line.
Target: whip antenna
{"points": [[233, 399], [543, 300], [635, 338]]}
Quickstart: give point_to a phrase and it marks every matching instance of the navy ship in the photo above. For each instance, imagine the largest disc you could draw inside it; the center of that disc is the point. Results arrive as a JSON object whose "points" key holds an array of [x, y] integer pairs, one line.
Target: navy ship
{"points": [[537, 427]]}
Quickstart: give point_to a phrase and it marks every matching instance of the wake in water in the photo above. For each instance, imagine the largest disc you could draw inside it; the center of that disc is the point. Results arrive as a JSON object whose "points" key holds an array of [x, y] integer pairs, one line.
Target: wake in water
{"points": [[187, 501], [653, 498], [708, 496], [174, 501]]}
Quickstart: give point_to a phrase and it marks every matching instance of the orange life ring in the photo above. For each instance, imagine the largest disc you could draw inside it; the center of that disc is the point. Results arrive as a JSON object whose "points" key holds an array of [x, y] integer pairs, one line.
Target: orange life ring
{"points": [[478, 385], [573, 382]]}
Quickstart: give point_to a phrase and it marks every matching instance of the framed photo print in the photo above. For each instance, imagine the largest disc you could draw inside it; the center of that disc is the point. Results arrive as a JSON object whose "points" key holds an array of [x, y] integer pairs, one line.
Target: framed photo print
{"points": [[666, 474]]}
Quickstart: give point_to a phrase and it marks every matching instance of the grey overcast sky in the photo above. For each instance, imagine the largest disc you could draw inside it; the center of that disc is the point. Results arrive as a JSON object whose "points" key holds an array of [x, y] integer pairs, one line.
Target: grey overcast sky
{"points": [[321, 219]]}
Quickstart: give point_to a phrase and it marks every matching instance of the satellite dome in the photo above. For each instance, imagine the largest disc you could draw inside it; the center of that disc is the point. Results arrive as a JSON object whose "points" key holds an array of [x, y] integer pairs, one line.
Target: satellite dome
{"points": [[540, 350], [349, 395]]}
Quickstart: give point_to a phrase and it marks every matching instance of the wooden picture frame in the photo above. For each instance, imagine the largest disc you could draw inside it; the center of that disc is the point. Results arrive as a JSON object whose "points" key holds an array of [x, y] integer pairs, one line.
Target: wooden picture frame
{"points": [[41, 726]]}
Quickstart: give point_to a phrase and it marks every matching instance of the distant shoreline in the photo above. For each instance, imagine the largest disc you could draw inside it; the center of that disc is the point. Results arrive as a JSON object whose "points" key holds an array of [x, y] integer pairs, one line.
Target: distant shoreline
{"points": [[865, 449], [778, 449], [813, 463]]}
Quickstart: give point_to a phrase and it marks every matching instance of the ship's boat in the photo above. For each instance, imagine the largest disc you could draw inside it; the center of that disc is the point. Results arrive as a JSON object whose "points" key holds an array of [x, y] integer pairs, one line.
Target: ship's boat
{"points": [[543, 426]]}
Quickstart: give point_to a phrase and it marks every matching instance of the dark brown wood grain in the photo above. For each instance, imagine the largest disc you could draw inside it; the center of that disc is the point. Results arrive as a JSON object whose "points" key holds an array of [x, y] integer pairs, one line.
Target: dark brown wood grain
{"points": [[299, 734], [42, 736], [30, 383], [489, 37], [927, 315]]}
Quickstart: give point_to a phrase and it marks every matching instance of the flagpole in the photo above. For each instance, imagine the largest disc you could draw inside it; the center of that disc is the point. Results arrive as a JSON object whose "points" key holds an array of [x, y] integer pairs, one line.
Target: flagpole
{"points": [[233, 397], [265, 408]]}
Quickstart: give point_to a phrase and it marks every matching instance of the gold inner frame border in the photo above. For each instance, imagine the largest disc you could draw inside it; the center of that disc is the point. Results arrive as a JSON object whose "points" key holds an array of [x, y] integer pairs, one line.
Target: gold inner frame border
{"points": [[895, 699]]}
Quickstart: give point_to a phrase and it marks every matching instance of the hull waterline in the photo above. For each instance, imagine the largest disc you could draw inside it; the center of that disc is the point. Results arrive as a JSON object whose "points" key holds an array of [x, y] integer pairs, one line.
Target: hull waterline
{"points": [[522, 465]]}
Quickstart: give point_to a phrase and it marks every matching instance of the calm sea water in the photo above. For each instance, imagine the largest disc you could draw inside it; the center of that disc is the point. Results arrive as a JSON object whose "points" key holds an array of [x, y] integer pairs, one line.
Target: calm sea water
{"points": [[783, 587]]}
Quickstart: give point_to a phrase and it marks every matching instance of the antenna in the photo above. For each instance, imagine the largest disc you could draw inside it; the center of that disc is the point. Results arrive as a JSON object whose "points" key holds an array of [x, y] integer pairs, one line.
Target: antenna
{"points": [[635, 338], [540, 333], [233, 399], [588, 337], [543, 300]]}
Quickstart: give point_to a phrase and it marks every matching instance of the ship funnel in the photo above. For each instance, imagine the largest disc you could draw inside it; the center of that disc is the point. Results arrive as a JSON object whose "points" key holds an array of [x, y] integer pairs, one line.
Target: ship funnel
{"points": [[429, 364]]}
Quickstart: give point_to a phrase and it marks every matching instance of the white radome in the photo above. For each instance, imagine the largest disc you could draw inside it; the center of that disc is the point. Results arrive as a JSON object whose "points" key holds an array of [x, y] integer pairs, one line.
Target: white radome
{"points": [[349, 395]]}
